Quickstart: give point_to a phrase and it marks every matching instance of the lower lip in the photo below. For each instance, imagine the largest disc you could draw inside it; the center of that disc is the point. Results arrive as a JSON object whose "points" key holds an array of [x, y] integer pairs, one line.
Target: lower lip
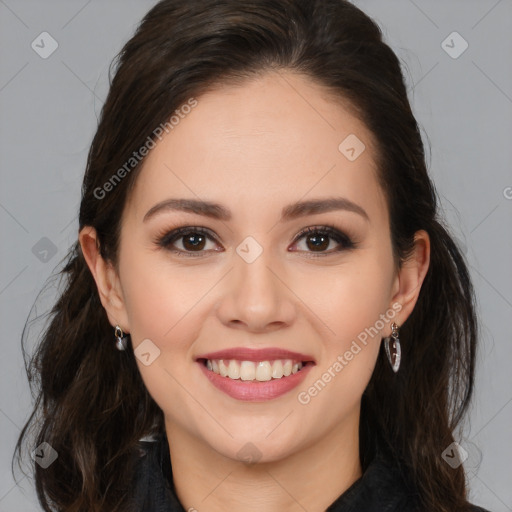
{"points": [[255, 391]]}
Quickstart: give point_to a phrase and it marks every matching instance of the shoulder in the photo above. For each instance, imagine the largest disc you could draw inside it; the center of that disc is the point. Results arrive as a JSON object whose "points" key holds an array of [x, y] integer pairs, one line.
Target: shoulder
{"points": [[383, 487]]}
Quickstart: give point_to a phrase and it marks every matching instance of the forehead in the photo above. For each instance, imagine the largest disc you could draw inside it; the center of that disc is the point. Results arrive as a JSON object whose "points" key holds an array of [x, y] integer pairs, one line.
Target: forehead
{"points": [[279, 136]]}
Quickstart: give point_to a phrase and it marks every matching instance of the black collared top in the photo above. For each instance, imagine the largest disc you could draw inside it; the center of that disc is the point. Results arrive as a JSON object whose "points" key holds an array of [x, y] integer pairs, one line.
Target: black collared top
{"points": [[381, 488]]}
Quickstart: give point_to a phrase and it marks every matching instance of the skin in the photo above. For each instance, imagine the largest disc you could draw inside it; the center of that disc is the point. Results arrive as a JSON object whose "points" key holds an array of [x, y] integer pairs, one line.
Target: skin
{"points": [[255, 148]]}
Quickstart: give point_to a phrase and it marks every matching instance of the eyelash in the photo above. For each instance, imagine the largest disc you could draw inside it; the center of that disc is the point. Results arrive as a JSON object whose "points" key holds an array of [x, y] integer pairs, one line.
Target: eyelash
{"points": [[333, 233]]}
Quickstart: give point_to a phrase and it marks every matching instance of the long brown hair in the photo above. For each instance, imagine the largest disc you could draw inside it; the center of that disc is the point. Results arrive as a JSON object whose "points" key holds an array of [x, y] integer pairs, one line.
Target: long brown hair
{"points": [[91, 404]]}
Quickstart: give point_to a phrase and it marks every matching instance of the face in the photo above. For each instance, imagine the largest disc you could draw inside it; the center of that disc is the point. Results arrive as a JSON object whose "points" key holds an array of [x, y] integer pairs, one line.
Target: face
{"points": [[273, 267]]}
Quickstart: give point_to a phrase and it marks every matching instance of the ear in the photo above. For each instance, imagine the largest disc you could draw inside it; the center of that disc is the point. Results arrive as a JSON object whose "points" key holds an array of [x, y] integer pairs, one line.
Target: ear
{"points": [[407, 284], [106, 278]]}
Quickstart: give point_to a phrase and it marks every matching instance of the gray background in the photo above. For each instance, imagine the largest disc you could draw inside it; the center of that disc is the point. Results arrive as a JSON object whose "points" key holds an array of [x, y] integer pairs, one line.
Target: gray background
{"points": [[49, 110]]}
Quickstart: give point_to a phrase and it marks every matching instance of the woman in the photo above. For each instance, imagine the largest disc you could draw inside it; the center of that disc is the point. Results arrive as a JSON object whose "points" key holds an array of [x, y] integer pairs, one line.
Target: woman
{"points": [[263, 310]]}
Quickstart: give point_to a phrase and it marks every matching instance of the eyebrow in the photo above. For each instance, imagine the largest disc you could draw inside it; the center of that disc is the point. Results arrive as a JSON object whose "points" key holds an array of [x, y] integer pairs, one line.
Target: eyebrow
{"points": [[289, 212]]}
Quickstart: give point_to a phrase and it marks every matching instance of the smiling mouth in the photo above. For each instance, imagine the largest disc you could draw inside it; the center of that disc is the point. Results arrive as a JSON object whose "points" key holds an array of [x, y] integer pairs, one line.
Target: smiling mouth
{"points": [[255, 371]]}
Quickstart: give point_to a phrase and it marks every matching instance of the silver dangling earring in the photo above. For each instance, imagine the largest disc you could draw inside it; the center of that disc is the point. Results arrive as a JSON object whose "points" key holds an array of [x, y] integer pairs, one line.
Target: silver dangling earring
{"points": [[394, 352], [121, 338]]}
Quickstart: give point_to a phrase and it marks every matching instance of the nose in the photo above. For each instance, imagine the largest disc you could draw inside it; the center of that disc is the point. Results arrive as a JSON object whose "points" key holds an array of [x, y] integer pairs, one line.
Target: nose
{"points": [[256, 297]]}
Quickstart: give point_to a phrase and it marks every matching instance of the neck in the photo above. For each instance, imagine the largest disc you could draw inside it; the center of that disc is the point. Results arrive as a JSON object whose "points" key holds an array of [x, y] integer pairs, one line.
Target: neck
{"points": [[310, 479]]}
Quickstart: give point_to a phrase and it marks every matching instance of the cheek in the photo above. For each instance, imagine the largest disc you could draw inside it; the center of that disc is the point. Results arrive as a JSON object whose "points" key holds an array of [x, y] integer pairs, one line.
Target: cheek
{"points": [[162, 306], [352, 301], [348, 298], [353, 312], [158, 296]]}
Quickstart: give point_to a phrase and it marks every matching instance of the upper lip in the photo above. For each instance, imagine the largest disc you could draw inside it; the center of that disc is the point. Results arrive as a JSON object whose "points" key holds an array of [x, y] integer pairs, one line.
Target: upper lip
{"points": [[261, 354]]}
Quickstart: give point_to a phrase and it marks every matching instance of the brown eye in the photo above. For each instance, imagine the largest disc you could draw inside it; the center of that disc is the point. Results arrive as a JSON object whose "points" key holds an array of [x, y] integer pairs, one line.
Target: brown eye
{"points": [[188, 241], [194, 242], [320, 239], [318, 242]]}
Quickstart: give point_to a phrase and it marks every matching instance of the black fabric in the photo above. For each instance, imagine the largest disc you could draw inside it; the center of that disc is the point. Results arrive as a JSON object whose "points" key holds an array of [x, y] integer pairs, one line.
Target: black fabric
{"points": [[380, 489]]}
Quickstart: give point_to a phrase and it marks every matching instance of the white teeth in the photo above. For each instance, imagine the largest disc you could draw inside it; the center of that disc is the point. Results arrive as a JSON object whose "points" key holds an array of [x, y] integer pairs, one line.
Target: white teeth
{"points": [[261, 371], [223, 369], [277, 369], [233, 370], [287, 367], [247, 370]]}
